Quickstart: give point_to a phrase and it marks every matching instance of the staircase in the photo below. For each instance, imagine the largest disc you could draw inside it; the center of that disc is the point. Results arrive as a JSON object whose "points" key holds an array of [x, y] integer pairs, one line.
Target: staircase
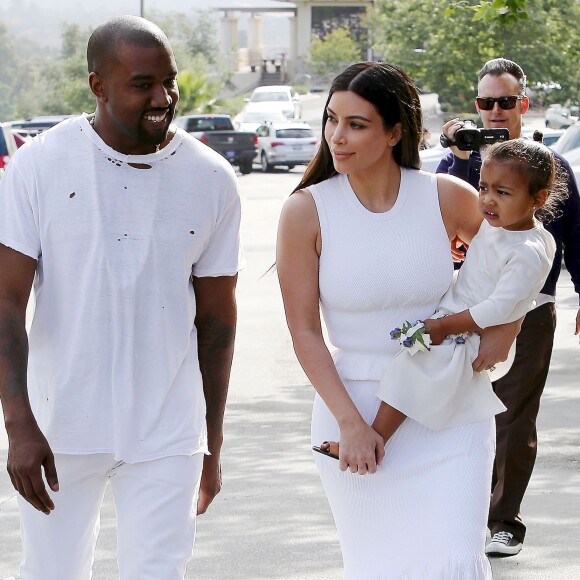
{"points": [[272, 73]]}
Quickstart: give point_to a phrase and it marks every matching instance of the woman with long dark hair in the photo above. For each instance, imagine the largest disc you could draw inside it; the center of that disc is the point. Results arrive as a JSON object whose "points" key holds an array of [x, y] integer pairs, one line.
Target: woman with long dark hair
{"points": [[366, 238]]}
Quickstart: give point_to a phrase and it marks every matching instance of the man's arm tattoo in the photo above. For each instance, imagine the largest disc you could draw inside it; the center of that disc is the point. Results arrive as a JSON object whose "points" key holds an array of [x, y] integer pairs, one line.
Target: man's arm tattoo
{"points": [[13, 356], [215, 350]]}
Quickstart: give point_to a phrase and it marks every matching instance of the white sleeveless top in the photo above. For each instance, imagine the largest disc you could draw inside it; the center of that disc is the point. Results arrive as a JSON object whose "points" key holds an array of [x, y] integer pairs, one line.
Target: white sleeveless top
{"points": [[378, 269]]}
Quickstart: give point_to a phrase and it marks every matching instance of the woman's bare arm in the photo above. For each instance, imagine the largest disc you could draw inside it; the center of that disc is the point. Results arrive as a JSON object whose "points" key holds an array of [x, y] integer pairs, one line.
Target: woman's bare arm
{"points": [[297, 258]]}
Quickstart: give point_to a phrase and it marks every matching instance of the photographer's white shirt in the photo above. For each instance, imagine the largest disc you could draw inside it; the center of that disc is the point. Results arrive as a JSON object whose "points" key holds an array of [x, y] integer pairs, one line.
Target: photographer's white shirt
{"points": [[113, 364]]}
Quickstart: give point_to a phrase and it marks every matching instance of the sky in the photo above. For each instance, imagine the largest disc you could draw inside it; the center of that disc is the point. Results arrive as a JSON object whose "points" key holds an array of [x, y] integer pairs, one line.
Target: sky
{"points": [[40, 21]]}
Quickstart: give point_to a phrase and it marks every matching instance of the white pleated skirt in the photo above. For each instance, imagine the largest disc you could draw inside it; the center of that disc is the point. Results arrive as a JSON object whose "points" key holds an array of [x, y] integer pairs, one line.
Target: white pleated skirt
{"points": [[423, 515]]}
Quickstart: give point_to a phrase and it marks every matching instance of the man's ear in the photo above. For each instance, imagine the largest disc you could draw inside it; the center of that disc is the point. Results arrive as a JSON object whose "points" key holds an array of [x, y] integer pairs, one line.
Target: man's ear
{"points": [[525, 105], [97, 86]]}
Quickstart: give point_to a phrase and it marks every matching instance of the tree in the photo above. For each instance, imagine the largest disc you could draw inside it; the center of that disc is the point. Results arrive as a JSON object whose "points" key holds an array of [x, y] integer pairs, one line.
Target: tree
{"points": [[442, 45], [197, 90], [41, 81], [190, 36], [203, 73], [64, 82], [9, 65], [331, 54]]}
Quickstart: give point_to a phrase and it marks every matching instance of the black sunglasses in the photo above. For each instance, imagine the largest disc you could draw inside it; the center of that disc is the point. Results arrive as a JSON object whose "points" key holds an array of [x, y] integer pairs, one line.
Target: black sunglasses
{"points": [[505, 103]]}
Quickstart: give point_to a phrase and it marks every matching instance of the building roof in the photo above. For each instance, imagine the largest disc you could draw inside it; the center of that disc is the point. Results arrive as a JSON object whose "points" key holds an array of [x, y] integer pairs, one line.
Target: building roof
{"points": [[252, 6]]}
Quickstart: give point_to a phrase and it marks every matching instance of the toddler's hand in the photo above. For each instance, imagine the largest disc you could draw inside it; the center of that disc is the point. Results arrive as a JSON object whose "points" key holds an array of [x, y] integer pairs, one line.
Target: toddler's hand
{"points": [[434, 328]]}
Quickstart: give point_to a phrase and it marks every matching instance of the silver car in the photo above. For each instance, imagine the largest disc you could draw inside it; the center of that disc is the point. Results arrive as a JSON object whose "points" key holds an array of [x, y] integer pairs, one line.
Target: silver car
{"points": [[276, 97], [569, 140], [286, 144], [559, 117]]}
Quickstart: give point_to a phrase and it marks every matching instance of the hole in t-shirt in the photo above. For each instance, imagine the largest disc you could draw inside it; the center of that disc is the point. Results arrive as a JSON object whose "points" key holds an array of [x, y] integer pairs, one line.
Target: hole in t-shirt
{"points": [[72, 194], [140, 165]]}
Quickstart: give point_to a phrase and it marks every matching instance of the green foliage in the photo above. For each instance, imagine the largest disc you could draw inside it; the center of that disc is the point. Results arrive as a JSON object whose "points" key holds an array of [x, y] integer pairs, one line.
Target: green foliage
{"points": [[331, 54], [504, 13], [65, 80], [443, 45], [197, 89], [8, 69], [37, 81], [190, 36], [300, 89]]}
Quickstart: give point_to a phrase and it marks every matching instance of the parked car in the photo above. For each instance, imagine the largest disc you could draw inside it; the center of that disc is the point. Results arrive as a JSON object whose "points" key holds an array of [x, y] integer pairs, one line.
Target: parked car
{"points": [[572, 156], [217, 132], [276, 97], [35, 125], [559, 117], [550, 136], [8, 145], [431, 157], [569, 140], [287, 144], [251, 120]]}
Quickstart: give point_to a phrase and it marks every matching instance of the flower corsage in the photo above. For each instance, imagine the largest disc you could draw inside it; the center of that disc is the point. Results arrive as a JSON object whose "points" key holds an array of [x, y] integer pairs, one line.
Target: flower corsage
{"points": [[412, 337], [415, 337]]}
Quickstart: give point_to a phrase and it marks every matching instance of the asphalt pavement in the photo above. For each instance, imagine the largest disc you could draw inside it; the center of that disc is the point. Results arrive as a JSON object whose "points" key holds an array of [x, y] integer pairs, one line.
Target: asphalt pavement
{"points": [[271, 520]]}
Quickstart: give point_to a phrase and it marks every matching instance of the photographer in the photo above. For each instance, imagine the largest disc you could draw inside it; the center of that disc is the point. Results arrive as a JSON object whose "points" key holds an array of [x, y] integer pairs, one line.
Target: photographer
{"points": [[501, 102]]}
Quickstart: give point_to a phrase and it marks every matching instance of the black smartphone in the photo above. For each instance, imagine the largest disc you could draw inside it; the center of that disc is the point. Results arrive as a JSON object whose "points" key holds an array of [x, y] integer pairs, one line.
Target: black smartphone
{"points": [[324, 452]]}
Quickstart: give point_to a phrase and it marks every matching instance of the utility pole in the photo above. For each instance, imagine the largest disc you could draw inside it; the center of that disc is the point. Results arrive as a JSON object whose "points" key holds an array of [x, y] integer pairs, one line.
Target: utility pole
{"points": [[142, 8]]}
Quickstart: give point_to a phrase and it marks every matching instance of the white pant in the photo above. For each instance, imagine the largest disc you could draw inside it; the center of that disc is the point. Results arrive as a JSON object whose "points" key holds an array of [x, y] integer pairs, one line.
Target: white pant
{"points": [[155, 502]]}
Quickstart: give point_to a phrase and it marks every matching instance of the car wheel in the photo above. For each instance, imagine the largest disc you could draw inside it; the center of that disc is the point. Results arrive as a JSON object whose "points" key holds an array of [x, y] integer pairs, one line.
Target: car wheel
{"points": [[264, 161], [246, 166], [290, 167]]}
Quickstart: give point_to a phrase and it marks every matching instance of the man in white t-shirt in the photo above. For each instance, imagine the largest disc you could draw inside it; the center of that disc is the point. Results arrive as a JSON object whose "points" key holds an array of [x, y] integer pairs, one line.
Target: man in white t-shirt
{"points": [[129, 230]]}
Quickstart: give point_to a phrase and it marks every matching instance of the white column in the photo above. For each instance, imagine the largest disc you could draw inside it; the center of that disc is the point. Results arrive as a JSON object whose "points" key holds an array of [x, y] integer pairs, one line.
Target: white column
{"points": [[229, 39], [293, 41], [255, 38], [303, 33]]}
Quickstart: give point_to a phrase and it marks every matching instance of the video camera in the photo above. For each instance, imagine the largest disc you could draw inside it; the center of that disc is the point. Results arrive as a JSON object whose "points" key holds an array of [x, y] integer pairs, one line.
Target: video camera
{"points": [[471, 138]]}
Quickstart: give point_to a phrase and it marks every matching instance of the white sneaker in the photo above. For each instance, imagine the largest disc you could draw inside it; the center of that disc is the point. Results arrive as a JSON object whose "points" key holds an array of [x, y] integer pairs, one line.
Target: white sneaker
{"points": [[503, 544]]}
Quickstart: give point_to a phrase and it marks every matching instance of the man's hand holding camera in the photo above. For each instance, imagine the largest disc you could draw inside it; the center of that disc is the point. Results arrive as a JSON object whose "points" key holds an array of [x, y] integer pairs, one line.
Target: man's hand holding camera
{"points": [[449, 130], [464, 137]]}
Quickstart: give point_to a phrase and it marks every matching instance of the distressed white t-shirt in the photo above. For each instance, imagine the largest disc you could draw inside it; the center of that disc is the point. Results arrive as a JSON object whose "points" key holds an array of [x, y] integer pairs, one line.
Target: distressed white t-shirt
{"points": [[113, 364]]}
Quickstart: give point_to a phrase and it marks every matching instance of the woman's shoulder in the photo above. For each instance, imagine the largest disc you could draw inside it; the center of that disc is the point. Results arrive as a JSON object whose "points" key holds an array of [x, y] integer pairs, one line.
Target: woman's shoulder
{"points": [[459, 206], [455, 187], [299, 208]]}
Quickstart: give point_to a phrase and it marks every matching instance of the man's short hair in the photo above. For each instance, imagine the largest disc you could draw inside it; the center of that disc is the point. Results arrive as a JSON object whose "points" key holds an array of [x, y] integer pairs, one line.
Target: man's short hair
{"points": [[500, 66], [106, 38]]}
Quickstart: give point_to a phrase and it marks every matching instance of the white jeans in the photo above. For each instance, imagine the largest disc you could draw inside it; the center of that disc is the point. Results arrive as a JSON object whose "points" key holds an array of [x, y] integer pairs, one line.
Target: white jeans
{"points": [[155, 503]]}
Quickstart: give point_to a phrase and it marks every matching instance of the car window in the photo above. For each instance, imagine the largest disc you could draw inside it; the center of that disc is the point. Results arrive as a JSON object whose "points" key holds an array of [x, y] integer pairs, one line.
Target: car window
{"points": [[208, 125], [550, 140], [294, 133], [199, 124], [269, 96]]}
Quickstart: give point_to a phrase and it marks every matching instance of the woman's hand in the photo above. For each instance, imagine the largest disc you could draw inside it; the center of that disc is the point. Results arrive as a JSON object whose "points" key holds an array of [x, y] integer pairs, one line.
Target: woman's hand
{"points": [[361, 448], [458, 249], [495, 344]]}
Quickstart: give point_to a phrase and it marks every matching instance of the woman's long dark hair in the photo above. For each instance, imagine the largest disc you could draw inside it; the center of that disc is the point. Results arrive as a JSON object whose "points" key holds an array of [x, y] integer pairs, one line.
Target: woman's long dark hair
{"points": [[396, 99]]}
